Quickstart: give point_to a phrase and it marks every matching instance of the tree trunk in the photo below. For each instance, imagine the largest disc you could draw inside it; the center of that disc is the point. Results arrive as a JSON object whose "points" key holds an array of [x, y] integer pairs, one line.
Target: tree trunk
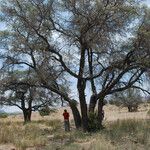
{"points": [[129, 108], [76, 115], [100, 112], [81, 85], [132, 108], [27, 115], [93, 101], [93, 98], [83, 105]]}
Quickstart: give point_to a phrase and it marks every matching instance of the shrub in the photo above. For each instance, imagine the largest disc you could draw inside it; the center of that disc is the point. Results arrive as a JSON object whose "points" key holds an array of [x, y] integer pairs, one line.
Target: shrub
{"points": [[3, 115], [93, 122], [45, 111]]}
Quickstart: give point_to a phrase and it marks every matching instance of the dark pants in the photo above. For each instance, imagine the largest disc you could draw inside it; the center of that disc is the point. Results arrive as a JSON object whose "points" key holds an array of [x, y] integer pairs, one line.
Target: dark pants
{"points": [[67, 125]]}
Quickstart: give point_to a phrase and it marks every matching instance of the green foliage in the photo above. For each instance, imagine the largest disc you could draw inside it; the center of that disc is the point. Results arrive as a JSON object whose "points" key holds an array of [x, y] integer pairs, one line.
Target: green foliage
{"points": [[45, 111], [93, 122], [3, 115]]}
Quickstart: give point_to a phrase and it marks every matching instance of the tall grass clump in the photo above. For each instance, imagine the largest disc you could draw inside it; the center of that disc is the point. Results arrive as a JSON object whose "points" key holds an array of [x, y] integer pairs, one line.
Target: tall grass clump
{"points": [[135, 131], [101, 143]]}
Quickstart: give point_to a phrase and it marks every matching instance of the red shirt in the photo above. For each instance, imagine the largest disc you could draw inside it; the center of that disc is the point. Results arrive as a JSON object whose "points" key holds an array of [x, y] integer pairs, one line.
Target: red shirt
{"points": [[66, 115]]}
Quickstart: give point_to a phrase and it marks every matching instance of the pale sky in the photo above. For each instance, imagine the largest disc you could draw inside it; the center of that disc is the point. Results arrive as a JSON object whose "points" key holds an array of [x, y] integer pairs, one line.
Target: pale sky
{"points": [[147, 2]]}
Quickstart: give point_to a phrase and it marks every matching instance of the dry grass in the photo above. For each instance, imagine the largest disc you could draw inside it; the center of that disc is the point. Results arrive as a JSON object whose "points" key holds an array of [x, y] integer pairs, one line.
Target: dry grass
{"points": [[123, 131], [113, 113], [129, 134], [119, 135], [30, 135]]}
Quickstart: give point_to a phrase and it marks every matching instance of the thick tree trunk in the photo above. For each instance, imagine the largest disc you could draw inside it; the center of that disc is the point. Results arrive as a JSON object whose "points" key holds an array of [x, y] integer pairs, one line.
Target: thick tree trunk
{"points": [[93, 101], [76, 115], [129, 109], [83, 105], [132, 108], [81, 85], [85, 123], [100, 112], [27, 115]]}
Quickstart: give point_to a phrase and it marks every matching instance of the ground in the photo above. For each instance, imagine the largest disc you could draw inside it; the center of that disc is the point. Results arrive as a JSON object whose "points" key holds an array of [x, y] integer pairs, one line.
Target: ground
{"points": [[47, 133]]}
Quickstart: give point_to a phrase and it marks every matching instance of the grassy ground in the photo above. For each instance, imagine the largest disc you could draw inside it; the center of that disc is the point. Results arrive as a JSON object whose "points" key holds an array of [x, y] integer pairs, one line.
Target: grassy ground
{"points": [[131, 132], [49, 135]]}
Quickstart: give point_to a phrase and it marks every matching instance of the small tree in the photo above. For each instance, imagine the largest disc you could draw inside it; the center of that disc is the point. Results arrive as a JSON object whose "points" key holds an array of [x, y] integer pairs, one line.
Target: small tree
{"points": [[130, 98], [19, 91]]}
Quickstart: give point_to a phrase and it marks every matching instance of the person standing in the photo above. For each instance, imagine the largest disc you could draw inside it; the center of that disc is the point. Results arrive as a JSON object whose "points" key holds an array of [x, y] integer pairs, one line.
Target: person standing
{"points": [[66, 120]]}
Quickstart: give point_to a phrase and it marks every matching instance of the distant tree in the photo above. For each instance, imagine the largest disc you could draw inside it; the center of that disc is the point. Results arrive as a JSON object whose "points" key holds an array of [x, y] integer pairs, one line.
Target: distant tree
{"points": [[130, 98], [18, 90]]}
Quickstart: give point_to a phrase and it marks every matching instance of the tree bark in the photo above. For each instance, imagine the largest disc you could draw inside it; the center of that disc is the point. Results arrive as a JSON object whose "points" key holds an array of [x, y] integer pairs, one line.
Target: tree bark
{"points": [[27, 115], [100, 112], [76, 115], [81, 89], [132, 108], [83, 105], [129, 109], [93, 99], [26, 111], [92, 104]]}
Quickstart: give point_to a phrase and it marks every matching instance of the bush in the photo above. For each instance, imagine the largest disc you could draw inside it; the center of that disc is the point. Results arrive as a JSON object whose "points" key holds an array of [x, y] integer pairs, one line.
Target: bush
{"points": [[3, 115], [93, 122], [45, 111]]}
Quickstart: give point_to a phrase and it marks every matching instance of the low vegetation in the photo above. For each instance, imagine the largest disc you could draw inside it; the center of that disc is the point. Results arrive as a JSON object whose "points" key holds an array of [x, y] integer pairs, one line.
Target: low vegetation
{"points": [[3, 115], [49, 135], [30, 135], [45, 111], [133, 134]]}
